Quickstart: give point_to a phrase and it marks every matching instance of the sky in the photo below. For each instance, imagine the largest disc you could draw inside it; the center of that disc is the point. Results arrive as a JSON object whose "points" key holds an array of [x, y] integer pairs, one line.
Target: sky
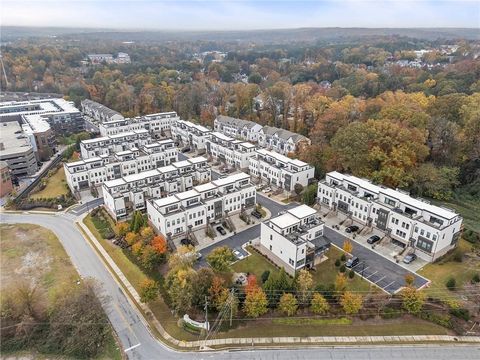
{"points": [[240, 14]]}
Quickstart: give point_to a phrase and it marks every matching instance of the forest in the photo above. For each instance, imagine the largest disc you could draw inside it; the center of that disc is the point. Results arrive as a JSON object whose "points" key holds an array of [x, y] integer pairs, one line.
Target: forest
{"points": [[401, 111]]}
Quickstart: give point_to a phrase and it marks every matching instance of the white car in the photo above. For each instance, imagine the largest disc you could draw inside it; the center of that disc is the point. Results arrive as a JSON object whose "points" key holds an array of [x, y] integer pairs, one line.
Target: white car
{"points": [[238, 254], [267, 190]]}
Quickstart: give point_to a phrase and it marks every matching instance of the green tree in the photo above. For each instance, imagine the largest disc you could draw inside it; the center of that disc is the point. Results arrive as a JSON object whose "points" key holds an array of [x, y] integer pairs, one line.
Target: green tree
{"points": [[309, 194], [148, 290], [288, 304], [319, 305], [412, 299], [221, 258]]}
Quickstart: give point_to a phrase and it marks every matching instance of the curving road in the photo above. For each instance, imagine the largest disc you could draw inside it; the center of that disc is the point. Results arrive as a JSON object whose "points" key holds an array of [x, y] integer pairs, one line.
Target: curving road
{"points": [[135, 336]]}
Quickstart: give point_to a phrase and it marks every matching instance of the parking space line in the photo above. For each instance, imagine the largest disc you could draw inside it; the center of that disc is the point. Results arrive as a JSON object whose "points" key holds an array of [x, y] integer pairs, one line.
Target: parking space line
{"points": [[376, 282], [371, 275], [389, 284]]}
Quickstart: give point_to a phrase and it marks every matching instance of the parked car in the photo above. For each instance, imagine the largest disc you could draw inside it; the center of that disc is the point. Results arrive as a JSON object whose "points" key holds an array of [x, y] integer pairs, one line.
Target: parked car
{"points": [[409, 258], [352, 262], [238, 254], [351, 229], [186, 149], [198, 255], [256, 214], [373, 239], [186, 242], [267, 190], [259, 187], [221, 230]]}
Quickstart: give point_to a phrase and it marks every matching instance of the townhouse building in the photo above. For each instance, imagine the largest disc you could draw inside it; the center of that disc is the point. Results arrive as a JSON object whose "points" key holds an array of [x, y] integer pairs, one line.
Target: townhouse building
{"points": [[193, 135], [94, 171], [124, 195], [179, 214], [294, 238], [429, 230], [237, 128], [281, 140], [99, 112], [107, 145], [235, 153], [156, 124], [279, 170]]}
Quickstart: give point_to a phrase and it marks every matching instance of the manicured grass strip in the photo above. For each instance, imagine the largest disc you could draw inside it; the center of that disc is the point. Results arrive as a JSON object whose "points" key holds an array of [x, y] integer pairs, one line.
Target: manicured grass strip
{"points": [[302, 322], [56, 186]]}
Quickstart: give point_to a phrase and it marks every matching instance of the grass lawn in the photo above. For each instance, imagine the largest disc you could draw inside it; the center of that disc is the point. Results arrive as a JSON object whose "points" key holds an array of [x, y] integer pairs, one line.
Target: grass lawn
{"points": [[33, 253], [56, 186], [440, 272], [254, 264]]}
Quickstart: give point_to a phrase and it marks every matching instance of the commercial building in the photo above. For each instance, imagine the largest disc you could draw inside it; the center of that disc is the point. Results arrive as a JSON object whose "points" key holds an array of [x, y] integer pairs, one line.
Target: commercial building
{"points": [[192, 135], [279, 170], [294, 238], [97, 170], [157, 124], [129, 193], [180, 214], [16, 150], [235, 153], [428, 230], [6, 185], [99, 112], [107, 145]]}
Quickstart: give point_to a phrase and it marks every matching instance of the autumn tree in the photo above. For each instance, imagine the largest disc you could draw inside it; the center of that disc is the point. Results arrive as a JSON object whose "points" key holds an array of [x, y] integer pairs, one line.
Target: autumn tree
{"points": [[122, 228], [256, 303], [218, 292], [412, 299], [304, 284], [221, 258], [148, 290], [131, 238], [146, 234], [318, 304], [180, 285], [347, 246], [340, 283], [351, 302], [288, 304], [159, 244]]}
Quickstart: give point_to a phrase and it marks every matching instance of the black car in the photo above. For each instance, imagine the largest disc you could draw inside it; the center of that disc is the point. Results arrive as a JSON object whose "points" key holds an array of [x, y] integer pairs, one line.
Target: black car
{"points": [[221, 230], [352, 262], [409, 258], [373, 239], [351, 229], [256, 214], [186, 149], [186, 242]]}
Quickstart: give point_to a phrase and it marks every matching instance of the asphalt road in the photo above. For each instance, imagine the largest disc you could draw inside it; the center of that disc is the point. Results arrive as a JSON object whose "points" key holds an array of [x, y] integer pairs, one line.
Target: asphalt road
{"points": [[132, 332], [377, 269]]}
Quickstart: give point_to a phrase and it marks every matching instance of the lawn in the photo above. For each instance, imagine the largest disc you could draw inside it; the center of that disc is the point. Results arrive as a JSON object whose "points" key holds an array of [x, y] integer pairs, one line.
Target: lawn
{"points": [[254, 264], [56, 186], [441, 271]]}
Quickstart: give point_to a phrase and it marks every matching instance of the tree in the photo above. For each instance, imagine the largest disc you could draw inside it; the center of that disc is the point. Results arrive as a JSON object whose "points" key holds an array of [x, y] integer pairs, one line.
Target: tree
{"points": [[255, 303], [221, 258], [288, 304], [309, 194], [218, 292], [298, 188], [304, 284], [204, 280], [351, 302], [319, 305], [255, 78], [277, 283], [137, 248], [159, 244], [180, 285], [131, 238], [412, 300], [150, 257], [409, 279], [183, 258], [146, 234], [435, 182], [340, 282], [347, 246], [148, 290], [137, 222], [122, 228]]}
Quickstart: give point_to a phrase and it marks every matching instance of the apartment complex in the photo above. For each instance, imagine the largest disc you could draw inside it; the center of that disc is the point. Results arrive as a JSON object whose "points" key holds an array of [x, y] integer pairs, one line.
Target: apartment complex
{"points": [[429, 230], [16, 150], [190, 134], [92, 171], [237, 128], [279, 170], [99, 112], [235, 153], [293, 238], [179, 214], [122, 58], [129, 193], [107, 145], [156, 124]]}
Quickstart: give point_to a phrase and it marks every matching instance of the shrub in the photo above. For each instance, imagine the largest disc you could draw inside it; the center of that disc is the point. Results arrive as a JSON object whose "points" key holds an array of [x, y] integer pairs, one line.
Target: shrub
{"points": [[351, 274], [458, 255], [390, 313], [471, 236], [342, 268], [337, 262], [451, 284], [476, 278], [265, 276], [344, 257], [461, 313]]}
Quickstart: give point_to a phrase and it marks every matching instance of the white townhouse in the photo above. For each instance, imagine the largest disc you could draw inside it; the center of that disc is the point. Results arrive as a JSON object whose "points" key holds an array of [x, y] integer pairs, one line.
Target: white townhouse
{"points": [[294, 237], [190, 134], [279, 170], [84, 173], [107, 145], [156, 124], [99, 112], [428, 229], [181, 213], [235, 153], [237, 128], [129, 193], [281, 140]]}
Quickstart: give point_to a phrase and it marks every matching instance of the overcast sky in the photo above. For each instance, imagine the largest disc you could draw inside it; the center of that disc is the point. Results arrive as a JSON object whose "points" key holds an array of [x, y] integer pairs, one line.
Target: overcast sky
{"points": [[238, 15]]}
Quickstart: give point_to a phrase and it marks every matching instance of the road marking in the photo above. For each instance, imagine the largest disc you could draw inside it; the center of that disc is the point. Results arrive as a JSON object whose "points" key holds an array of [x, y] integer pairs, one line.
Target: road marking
{"points": [[132, 347], [389, 284], [371, 275], [376, 282]]}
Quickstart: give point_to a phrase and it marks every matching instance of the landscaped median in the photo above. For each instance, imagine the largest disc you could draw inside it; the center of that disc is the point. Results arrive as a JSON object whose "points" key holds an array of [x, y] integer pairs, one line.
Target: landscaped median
{"points": [[271, 328]]}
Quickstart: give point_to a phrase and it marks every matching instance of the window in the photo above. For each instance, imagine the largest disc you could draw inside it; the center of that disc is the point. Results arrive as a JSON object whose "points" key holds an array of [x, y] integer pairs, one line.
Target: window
{"points": [[389, 201], [425, 245]]}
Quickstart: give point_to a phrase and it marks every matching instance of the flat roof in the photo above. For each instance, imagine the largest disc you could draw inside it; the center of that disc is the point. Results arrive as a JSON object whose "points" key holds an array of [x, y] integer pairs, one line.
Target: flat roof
{"points": [[13, 139], [230, 179], [140, 176], [183, 163], [221, 136], [114, 183], [197, 159], [168, 168], [165, 201], [205, 187], [187, 194], [285, 220], [302, 211]]}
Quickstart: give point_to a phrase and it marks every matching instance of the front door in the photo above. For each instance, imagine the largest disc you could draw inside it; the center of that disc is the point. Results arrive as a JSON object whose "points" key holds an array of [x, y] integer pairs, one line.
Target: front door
{"points": [[382, 219]]}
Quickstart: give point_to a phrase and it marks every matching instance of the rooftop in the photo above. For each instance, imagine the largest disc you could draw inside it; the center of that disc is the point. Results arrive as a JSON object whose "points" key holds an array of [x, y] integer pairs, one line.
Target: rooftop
{"points": [[12, 139], [284, 221], [302, 211], [231, 179], [186, 194]]}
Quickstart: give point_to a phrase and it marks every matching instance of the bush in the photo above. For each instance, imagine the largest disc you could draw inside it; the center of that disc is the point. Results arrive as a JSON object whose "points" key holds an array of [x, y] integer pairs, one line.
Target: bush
{"points": [[439, 319], [476, 278], [343, 269], [343, 258], [390, 313], [451, 284], [265, 276], [351, 274], [458, 255], [461, 313], [337, 263], [471, 236]]}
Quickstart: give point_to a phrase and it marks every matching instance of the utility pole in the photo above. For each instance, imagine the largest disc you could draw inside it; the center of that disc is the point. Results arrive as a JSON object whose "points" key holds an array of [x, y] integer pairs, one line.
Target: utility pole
{"points": [[206, 313], [232, 294]]}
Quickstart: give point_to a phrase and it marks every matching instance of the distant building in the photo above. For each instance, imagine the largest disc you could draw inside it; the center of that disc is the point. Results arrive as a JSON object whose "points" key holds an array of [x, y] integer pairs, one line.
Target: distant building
{"points": [[235, 153], [156, 124], [122, 58], [190, 134], [16, 150], [99, 112], [6, 186]]}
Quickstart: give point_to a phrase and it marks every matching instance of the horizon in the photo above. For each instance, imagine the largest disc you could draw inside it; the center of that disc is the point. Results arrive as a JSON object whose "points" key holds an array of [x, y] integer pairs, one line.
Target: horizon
{"points": [[246, 15]]}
